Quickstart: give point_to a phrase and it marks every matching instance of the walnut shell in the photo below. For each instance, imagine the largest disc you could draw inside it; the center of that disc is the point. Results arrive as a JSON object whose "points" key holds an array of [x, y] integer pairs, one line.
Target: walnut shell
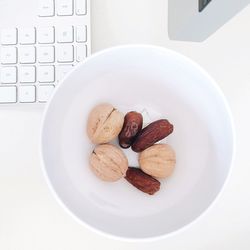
{"points": [[108, 162], [104, 123], [158, 160]]}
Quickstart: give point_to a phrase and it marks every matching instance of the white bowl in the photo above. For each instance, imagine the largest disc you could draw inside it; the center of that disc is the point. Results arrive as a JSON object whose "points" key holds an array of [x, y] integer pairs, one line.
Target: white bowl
{"points": [[165, 84]]}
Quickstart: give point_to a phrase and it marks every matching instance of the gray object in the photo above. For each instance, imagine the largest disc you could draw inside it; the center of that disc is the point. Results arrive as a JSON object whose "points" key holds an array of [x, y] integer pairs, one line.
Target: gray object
{"points": [[196, 20]]}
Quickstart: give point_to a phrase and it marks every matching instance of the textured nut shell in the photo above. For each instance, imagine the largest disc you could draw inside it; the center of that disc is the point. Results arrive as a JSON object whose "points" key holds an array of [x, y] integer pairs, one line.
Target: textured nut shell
{"points": [[108, 162], [104, 123], [158, 160]]}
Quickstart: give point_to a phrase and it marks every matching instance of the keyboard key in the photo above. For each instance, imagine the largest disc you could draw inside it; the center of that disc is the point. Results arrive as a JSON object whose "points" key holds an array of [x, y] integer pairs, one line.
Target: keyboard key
{"points": [[8, 55], [46, 54], [62, 70], [81, 7], [27, 94], [27, 74], [65, 53], [27, 36], [46, 35], [8, 75], [9, 36], [64, 7], [65, 34], [81, 52], [81, 34], [46, 8], [27, 54], [8, 94], [44, 92], [46, 74]]}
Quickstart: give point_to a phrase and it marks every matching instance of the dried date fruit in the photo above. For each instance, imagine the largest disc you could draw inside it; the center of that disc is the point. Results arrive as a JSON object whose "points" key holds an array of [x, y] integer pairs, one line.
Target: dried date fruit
{"points": [[131, 127], [151, 134], [142, 181]]}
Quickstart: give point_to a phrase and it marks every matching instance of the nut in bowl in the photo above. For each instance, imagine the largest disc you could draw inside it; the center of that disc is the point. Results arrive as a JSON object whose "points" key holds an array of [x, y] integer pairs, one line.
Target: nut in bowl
{"points": [[158, 160], [168, 86], [104, 123], [108, 162]]}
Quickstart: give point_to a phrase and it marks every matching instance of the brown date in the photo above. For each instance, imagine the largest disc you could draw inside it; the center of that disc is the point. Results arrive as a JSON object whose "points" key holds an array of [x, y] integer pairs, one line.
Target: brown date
{"points": [[131, 127], [151, 134], [142, 181]]}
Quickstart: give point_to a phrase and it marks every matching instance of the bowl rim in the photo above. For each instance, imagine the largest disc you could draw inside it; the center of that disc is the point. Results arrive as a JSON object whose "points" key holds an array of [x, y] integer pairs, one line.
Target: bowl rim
{"points": [[218, 195]]}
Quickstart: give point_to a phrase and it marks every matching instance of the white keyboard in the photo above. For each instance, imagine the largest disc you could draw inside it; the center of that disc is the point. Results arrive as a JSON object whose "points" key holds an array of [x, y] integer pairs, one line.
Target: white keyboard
{"points": [[35, 57]]}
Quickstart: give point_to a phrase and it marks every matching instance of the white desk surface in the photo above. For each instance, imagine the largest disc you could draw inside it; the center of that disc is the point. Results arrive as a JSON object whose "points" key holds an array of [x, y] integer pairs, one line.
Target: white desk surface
{"points": [[30, 218]]}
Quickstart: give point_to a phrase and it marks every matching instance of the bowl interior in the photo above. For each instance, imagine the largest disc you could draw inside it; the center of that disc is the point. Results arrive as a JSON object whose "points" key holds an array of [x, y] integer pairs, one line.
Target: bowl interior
{"points": [[161, 84]]}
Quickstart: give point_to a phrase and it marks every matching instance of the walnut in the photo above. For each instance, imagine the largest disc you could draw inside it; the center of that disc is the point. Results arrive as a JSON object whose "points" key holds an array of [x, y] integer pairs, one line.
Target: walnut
{"points": [[108, 162], [158, 160], [104, 123]]}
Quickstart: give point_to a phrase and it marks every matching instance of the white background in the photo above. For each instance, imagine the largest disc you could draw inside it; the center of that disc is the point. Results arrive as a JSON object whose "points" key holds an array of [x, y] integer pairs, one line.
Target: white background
{"points": [[30, 218]]}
